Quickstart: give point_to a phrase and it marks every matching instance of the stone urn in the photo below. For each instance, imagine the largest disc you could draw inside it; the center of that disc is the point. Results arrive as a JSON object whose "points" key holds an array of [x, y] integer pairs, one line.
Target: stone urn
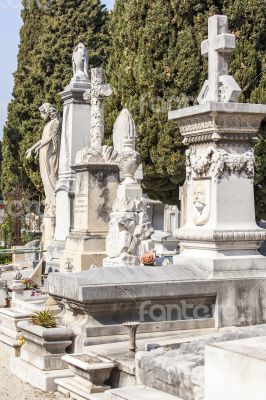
{"points": [[44, 347], [91, 371], [130, 161]]}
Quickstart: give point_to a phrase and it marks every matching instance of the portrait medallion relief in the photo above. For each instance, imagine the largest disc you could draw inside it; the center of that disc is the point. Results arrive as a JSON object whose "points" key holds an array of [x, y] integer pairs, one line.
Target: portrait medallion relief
{"points": [[201, 201]]}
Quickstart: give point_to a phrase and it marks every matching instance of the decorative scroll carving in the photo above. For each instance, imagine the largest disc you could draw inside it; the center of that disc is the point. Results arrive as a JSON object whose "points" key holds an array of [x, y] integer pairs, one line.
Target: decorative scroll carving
{"points": [[101, 154], [221, 236], [214, 162], [225, 123], [219, 137]]}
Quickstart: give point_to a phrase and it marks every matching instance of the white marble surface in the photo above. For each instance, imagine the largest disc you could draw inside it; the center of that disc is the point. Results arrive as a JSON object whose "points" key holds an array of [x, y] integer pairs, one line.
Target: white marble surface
{"points": [[236, 370]]}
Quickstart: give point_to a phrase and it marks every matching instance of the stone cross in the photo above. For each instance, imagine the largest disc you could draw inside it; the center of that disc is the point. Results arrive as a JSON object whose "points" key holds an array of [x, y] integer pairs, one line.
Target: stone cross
{"points": [[95, 95], [217, 48]]}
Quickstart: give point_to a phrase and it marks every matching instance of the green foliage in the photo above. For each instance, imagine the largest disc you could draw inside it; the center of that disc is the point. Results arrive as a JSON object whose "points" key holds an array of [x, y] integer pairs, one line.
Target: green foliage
{"points": [[45, 319], [27, 236], [155, 65], [48, 36], [7, 231], [248, 65]]}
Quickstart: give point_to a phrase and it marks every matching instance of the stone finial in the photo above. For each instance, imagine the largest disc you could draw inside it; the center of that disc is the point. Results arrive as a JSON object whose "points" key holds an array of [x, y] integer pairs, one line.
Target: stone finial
{"points": [[80, 63], [95, 95], [124, 132], [220, 86], [124, 140]]}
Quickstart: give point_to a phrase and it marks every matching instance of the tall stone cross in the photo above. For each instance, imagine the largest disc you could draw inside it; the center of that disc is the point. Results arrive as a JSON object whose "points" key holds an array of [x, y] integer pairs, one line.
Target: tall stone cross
{"points": [[95, 95], [220, 86]]}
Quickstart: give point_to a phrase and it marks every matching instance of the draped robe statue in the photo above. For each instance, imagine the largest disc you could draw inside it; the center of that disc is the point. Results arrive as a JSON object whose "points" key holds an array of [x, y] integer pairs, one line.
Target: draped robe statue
{"points": [[48, 151]]}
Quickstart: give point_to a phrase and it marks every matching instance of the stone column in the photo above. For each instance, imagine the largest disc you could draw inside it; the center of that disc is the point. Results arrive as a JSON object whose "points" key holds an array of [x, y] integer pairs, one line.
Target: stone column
{"points": [[75, 136], [220, 234]]}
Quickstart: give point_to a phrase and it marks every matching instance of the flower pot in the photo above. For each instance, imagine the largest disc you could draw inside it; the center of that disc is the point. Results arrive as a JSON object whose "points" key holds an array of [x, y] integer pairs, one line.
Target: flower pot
{"points": [[44, 347]]}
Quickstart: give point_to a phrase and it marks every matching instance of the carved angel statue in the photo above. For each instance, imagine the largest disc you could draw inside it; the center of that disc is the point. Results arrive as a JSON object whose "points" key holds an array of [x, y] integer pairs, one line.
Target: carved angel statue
{"points": [[48, 151], [80, 61]]}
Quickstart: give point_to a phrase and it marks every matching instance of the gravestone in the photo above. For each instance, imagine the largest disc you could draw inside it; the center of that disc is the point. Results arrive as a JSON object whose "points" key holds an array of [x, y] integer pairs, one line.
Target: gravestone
{"points": [[97, 177], [130, 229], [75, 136], [220, 278], [220, 234]]}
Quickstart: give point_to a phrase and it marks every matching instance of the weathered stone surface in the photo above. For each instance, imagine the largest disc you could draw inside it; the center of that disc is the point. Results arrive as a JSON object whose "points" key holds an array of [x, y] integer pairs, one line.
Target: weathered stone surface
{"points": [[181, 372], [91, 372], [220, 231], [44, 347], [96, 187], [43, 380]]}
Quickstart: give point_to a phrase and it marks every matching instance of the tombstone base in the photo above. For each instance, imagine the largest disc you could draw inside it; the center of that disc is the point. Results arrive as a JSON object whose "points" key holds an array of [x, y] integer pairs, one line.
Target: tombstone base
{"points": [[53, 255], [82, 251], [222, 265]]}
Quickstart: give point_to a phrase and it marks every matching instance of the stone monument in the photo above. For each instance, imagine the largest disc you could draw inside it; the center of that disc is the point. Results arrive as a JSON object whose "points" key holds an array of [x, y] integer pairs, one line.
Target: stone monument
{"points": [[97, 176], [220, 234], [75, 136], [124, 137], [48, 151], [220, 279], [129, 229]]}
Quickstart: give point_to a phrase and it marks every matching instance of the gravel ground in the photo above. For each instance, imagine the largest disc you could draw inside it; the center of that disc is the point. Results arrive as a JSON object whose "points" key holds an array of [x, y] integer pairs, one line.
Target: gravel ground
{"points": [[11, 388]]}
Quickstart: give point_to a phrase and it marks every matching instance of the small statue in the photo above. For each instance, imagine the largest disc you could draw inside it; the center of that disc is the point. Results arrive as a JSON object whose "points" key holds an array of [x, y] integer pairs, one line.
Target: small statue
{"points": [[80, 61], [48, 151]]}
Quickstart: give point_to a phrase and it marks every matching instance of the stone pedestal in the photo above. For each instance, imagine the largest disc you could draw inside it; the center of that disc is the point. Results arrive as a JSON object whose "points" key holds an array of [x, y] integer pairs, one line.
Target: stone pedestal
{"points": [[91, 373], [41, 355], [75, 136], [10, 333], [220, 234], [96, 187]]}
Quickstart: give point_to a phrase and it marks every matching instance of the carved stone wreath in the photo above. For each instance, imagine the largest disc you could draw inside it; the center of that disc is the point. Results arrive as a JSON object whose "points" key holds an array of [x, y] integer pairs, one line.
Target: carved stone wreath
{"points": [[214, 162]]}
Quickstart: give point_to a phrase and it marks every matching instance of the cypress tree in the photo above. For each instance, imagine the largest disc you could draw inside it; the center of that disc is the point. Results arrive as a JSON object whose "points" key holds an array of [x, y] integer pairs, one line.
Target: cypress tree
{"points": [[12, 174], [47, 39], [248, 65], [155, 65]]}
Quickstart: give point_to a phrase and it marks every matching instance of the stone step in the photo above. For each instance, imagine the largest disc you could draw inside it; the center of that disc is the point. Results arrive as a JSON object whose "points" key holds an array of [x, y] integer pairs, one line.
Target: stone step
{"points": [[137, 393]]}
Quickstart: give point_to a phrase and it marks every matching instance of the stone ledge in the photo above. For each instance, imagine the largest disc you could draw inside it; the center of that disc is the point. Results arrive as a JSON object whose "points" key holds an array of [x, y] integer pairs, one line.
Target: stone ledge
{"points": [[44, 380]]}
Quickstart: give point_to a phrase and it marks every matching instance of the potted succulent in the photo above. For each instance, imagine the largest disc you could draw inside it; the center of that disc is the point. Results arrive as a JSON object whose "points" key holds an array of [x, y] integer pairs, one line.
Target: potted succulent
{"points": [[45, 341]]}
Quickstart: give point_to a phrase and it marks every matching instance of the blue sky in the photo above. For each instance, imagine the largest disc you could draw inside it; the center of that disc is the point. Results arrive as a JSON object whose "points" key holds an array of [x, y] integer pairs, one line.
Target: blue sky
{"points": [[10, 23]]}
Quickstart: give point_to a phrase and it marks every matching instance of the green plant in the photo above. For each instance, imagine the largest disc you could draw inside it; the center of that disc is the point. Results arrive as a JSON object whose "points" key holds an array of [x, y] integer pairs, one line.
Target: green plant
{"points": [[45, 319]]}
